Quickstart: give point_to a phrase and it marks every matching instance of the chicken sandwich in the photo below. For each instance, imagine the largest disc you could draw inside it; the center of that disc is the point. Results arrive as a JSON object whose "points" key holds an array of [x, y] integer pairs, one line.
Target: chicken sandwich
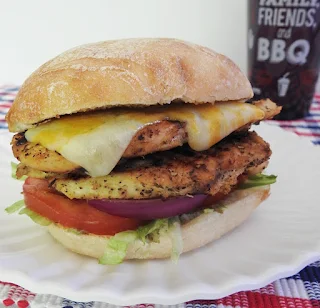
{"points": [[139, 148]]}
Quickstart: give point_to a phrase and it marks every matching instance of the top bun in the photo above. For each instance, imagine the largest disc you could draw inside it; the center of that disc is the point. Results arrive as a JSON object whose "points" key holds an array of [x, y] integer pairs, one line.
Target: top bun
{"points": [[130, 72]]}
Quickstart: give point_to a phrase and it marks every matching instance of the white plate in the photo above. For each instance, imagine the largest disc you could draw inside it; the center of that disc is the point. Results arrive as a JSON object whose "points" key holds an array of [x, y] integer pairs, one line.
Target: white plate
{"points": [[280, 238]]}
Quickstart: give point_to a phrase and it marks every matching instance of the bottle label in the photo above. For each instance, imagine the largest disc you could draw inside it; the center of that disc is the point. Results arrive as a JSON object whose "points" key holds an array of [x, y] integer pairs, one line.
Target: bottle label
{"points": [[284, 52]]}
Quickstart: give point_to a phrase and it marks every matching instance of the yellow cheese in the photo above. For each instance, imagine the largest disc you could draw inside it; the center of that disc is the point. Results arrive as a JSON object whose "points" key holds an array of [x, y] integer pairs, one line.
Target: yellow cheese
{"points": [[96, 141]]}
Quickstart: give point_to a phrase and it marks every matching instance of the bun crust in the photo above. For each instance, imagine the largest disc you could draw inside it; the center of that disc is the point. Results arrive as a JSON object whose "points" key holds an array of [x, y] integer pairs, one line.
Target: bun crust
{"points": [[131, 72], [196, 233]]}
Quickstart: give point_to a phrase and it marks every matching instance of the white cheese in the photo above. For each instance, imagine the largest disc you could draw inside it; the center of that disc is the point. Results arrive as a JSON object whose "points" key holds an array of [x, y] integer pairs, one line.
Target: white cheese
{"points": [[96, 141]]}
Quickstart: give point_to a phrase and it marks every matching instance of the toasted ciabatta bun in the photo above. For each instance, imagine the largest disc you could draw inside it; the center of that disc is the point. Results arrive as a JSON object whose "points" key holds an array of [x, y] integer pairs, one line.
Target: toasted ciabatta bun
{"points": [[196, 233], [131, 72]]}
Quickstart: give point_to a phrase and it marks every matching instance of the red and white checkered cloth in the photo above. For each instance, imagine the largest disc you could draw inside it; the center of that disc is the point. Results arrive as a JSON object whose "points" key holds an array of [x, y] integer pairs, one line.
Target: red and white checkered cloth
{"points": [[301, 290]]}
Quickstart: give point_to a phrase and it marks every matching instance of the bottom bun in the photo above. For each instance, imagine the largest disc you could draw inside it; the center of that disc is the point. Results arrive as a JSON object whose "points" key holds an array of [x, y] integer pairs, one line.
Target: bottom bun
{"points": [[198, 232]]}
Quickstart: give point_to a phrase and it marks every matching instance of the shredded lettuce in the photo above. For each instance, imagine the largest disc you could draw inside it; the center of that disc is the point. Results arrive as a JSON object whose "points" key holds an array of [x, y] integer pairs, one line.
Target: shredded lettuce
{"points": [[75, 231], [176, 239], [14, 170], [184, 218], [38, 219], [258, 180], [208, 210], [15, 207], [151, 231], [117, 246], [220, 208], [20, 207]]}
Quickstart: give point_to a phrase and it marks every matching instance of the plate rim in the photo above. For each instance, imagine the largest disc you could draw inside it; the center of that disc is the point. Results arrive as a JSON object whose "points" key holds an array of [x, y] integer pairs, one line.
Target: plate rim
{"points": [[197, 292], [46, 287]]}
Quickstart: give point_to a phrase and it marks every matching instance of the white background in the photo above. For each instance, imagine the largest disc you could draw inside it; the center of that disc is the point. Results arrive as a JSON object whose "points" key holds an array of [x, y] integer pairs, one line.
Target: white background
{"points": [[33, 31]]}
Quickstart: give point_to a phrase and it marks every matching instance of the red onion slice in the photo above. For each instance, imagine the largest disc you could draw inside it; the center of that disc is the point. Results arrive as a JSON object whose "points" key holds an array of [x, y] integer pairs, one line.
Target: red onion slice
{"points": [[148, 209]]}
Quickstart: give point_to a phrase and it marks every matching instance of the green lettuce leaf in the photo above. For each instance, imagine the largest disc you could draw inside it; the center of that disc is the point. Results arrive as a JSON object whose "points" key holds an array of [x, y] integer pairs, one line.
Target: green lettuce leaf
{"points": [[15, 207], [258, 180], [75, 231], [208, 211], [20, 207], [14, 170], [220, 208], [117, 246], [23, 210], [152, 230], [38, 219], [176, 239]]}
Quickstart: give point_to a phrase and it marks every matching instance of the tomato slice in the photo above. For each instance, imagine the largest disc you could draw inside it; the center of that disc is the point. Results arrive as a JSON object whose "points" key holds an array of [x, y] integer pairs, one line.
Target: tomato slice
{"points": [[69, 213]]}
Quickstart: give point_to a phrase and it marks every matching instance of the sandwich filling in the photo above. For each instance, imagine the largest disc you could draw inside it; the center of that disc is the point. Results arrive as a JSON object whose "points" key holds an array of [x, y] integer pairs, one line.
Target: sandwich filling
{"points": [[97, 141], [111, 171]]}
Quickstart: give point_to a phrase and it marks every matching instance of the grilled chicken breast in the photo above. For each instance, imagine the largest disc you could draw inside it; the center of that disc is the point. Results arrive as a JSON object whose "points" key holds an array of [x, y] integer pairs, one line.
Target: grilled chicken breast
{"points": [[160, 136], [156, 137], [177, 172], [38, 157]]}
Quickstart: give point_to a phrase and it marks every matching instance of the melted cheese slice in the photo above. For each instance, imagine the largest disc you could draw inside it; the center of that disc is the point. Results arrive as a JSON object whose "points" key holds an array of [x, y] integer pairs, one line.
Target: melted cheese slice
{"points": [[96, 141]]}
